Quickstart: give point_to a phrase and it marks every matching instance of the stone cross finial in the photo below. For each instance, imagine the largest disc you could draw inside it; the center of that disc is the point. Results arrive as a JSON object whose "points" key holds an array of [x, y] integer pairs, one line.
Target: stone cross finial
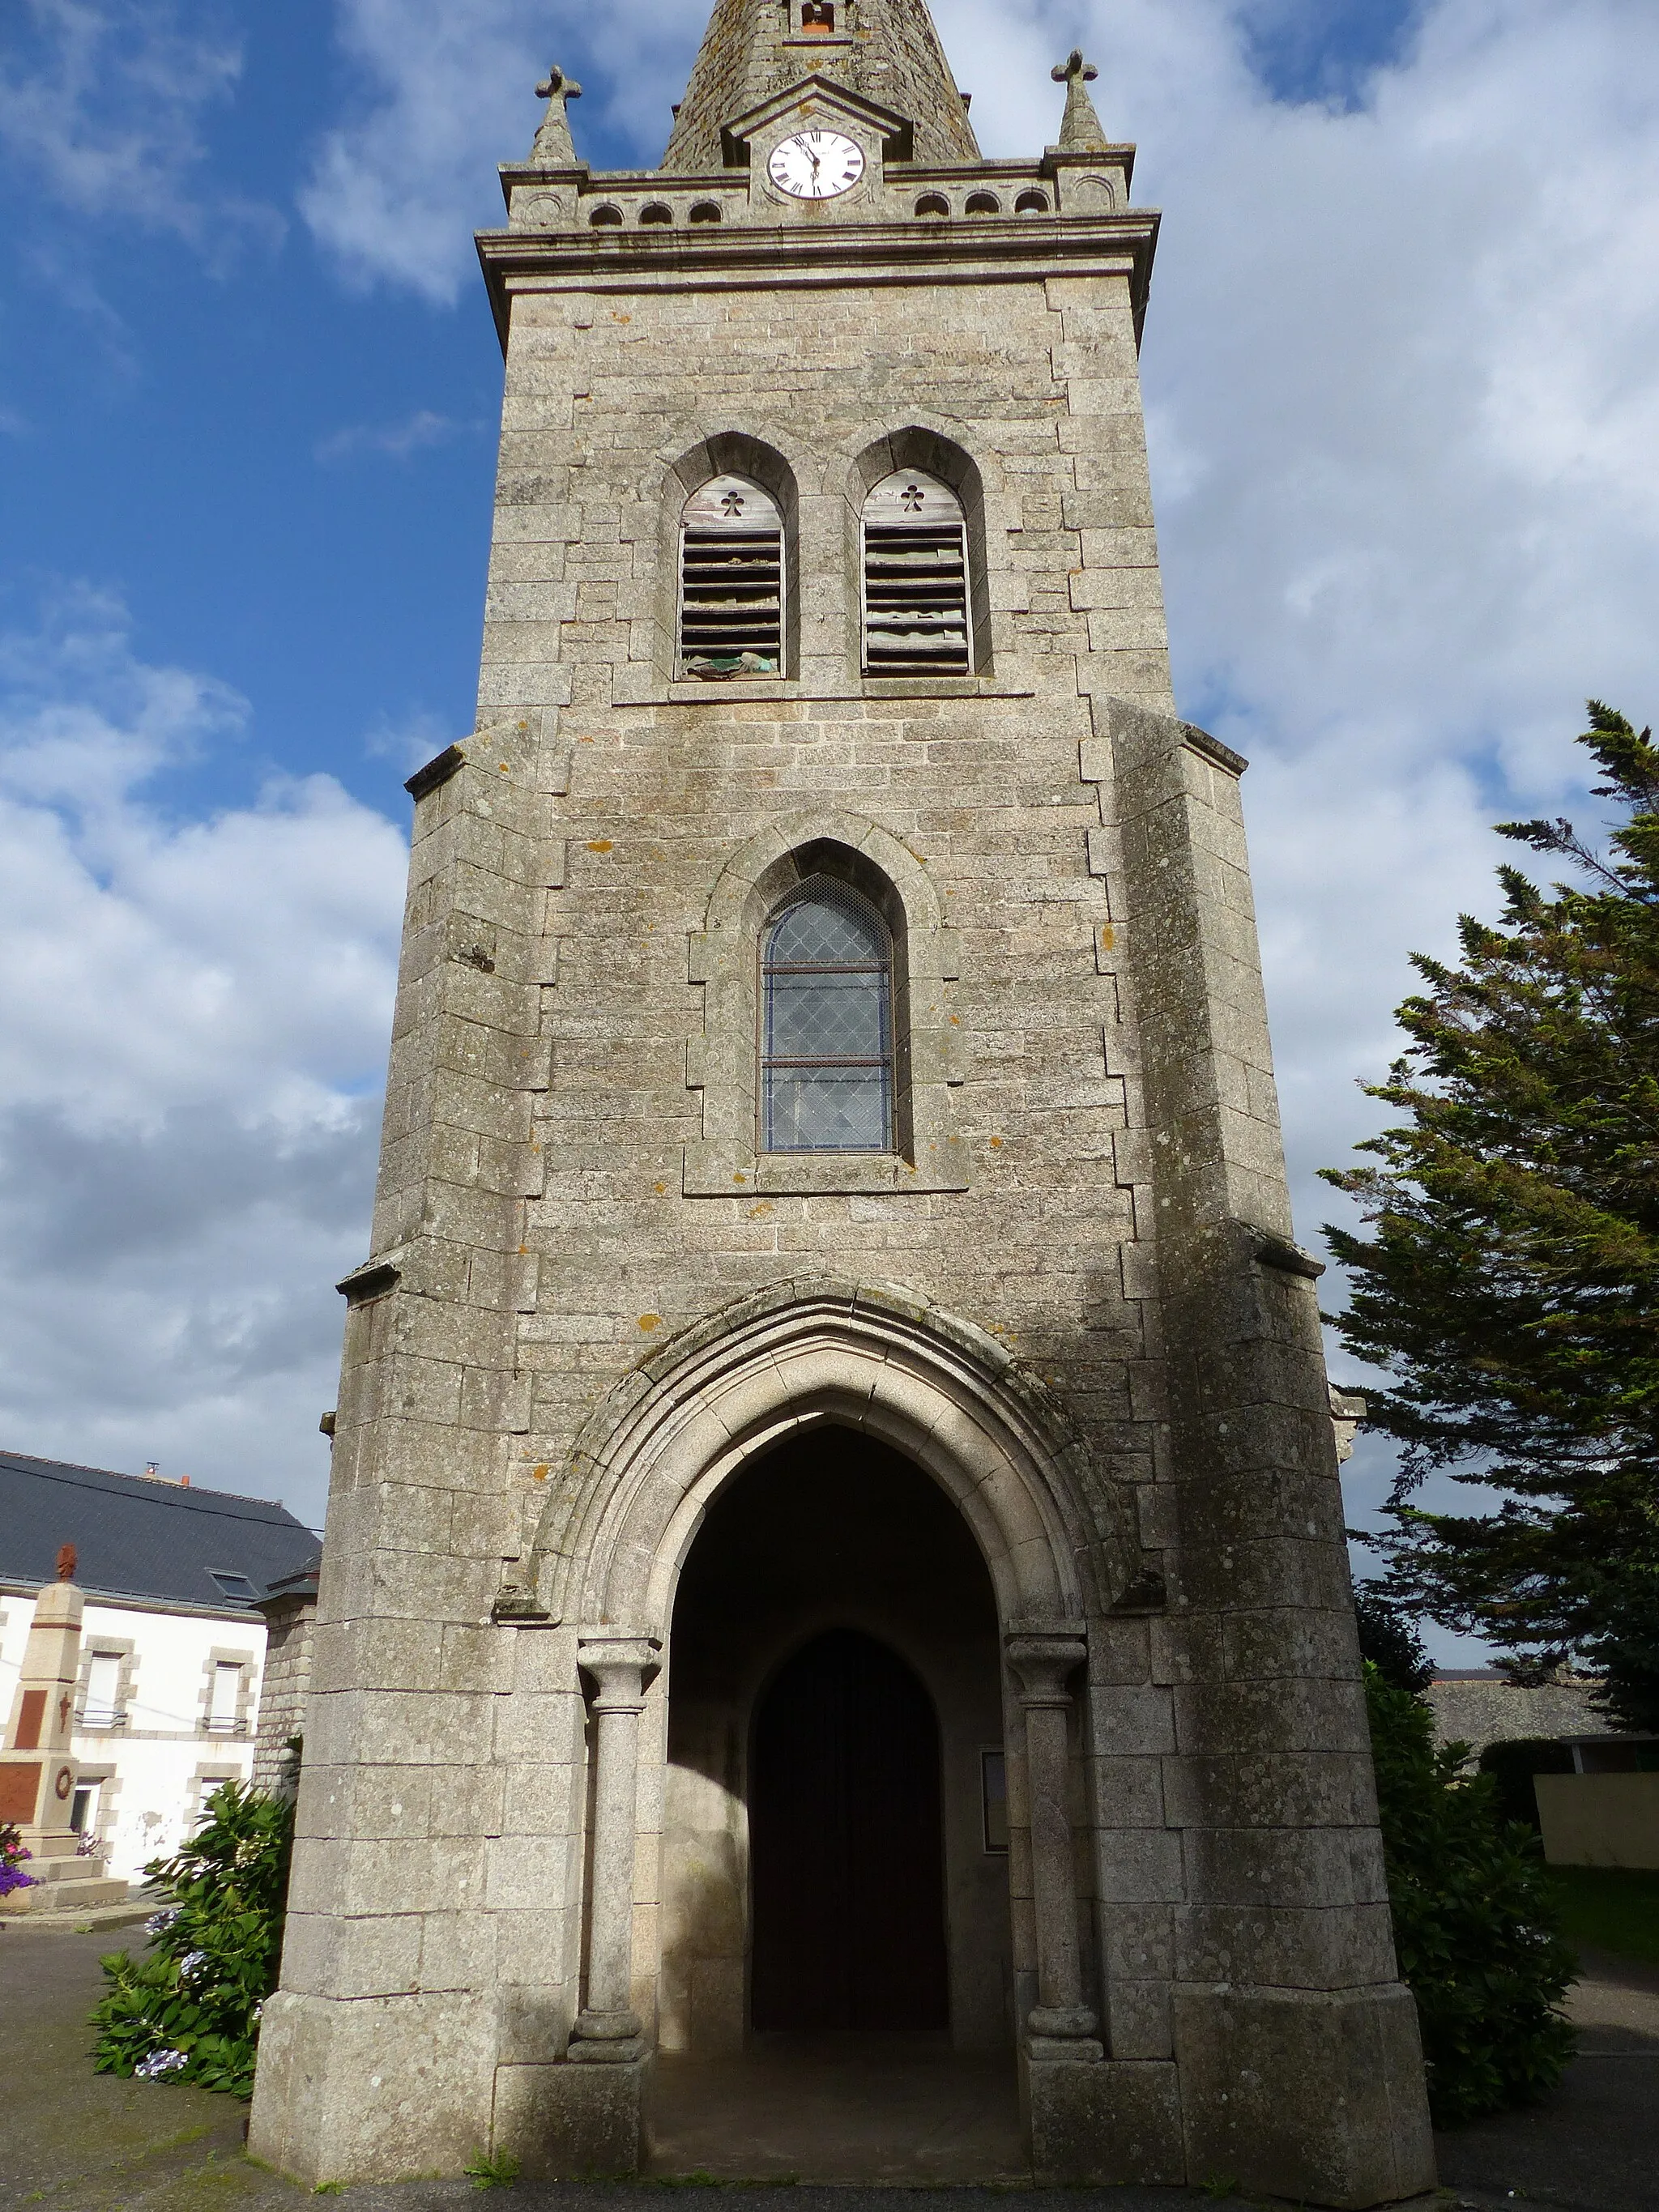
{"points": [[1079, 129], [554, 148], [67, 1561]]}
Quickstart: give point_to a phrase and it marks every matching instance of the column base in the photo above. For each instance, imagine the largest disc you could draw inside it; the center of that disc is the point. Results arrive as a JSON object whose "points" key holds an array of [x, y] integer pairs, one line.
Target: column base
{"points": [[1314, 2095], [574, 2123], [606, 2038], [1112, 2123]]}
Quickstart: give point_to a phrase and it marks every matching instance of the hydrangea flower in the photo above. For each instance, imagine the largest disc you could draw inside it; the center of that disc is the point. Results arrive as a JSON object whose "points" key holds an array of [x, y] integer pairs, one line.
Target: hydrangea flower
{"points": [[159, 1922], [192, 1964], [160, 2062], [12, 1855]]}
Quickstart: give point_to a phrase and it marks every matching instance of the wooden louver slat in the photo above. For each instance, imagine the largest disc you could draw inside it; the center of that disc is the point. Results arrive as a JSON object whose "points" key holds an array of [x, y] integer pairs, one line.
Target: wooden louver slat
{"points": [[915, 580], [730, 581]]}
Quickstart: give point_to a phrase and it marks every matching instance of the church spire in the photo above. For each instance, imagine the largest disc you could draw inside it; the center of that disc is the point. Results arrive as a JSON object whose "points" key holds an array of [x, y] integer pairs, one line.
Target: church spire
{"points": [[888, 49]]}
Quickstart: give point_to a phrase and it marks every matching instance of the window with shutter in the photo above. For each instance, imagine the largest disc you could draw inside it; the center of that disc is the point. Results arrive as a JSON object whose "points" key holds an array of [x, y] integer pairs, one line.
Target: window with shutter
{"points": [[731, 581], [915, 578]]}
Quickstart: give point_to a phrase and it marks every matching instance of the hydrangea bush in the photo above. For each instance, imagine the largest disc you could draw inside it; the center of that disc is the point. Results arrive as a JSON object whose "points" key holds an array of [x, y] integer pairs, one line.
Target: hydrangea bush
{"points": [[12, 1855], [189, 2009]]}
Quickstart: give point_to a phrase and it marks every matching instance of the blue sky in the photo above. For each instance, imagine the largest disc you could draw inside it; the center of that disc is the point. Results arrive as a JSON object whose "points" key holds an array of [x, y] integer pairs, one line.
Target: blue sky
{"points": [[1404, 410]]}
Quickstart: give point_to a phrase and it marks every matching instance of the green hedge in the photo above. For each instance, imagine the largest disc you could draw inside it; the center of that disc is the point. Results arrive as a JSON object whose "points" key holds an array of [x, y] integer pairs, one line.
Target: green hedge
{"points": [[1512, 1765], [1476, 1919], [189, 2011]]}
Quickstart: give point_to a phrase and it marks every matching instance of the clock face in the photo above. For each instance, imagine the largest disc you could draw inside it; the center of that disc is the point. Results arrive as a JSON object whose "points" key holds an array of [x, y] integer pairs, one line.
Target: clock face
{"points": [[816, 165]]}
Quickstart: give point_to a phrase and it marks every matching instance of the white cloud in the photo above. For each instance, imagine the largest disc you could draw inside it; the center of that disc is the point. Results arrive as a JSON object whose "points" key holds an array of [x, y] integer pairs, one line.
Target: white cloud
{"points": [[410, 740], [414, 434], [104, 106], [396, 187], [192, 1024]]}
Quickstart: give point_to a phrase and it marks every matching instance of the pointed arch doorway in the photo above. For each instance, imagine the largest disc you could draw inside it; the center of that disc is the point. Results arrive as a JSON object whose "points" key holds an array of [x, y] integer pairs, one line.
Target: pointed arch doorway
{"points": [[835, 1686], [847, 1848], [837, 1992]]}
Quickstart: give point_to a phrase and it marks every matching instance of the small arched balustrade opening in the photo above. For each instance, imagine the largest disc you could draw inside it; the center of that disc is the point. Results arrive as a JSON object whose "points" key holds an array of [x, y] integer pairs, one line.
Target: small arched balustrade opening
{"points": [[730, 620], [827, 1024], [915, 578]]}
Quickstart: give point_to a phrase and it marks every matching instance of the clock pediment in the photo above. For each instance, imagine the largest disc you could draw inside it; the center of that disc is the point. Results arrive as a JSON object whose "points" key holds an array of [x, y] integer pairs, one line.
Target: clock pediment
{"points": [[817, 103]]}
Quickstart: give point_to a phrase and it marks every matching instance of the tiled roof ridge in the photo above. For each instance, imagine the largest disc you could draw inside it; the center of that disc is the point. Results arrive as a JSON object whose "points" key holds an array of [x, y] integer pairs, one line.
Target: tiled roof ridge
{"points": [[893, 58]]}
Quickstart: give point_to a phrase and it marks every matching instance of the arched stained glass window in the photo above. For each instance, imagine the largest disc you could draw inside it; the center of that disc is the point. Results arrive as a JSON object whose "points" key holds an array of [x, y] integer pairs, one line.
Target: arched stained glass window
{"points": [[826, 1025]]}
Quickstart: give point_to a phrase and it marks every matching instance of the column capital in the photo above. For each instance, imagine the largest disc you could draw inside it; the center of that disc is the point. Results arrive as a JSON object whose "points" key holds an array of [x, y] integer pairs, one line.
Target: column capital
{"points": [[1043, 1660], [621, 1664]]}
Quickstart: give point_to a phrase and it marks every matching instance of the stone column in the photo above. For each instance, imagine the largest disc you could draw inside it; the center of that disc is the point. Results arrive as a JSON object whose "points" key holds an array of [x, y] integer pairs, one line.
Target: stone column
{"points": [[1061, 2027], [608, 2030]]}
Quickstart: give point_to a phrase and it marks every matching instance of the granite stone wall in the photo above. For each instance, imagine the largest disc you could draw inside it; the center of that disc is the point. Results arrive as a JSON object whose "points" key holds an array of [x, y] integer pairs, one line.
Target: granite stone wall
{"points": [[283, 1686]]}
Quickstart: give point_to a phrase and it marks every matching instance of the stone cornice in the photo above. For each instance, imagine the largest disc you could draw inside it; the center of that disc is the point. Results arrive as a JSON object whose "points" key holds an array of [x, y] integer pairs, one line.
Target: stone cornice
{"points": [[677, 184], [984, 249]]}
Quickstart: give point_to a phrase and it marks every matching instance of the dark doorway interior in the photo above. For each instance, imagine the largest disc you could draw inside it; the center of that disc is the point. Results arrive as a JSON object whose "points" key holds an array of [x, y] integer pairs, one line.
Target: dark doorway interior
{"points": [[846, 1843], [832, 1535]]}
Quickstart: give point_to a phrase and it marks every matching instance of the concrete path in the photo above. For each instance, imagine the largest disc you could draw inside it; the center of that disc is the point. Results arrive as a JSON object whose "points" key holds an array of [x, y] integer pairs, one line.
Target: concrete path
{"points": [[1593, 2147], [73, 2141]]}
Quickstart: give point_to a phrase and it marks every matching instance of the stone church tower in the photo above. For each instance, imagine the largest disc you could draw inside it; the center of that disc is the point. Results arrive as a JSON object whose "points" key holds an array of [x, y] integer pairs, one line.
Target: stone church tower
{"points": [[834, 1519]]}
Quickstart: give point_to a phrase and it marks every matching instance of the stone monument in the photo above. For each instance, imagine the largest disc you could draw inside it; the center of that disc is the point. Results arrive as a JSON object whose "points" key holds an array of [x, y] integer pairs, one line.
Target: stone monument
{"points": [[834, 1519], [37, 1763]]}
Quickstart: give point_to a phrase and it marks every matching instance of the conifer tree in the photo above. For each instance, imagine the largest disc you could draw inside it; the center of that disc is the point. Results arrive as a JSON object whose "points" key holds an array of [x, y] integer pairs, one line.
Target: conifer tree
{"points": [[1509, 1278]]}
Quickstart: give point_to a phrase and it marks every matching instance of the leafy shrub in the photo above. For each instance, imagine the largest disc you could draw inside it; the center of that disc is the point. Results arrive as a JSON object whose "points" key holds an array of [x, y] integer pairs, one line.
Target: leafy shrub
{"points": [[1512, 1765], [1476, 1919], [12, 1855], [189, 2010]]}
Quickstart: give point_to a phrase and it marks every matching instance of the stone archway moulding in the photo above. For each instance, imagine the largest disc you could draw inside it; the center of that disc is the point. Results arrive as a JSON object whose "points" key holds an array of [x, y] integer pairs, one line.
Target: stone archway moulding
{"points": [[1056, 1534], [724, 959]]}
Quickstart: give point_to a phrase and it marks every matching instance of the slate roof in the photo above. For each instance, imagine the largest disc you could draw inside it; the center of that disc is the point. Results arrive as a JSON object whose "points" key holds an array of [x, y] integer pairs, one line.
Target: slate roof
{"points": [[138, 1538]]}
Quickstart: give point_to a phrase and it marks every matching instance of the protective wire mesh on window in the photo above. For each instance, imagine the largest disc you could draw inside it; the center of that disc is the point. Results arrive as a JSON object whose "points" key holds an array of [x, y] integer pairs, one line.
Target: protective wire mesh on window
{"points": [[730, 581], [827, 1041], [915, 578]]}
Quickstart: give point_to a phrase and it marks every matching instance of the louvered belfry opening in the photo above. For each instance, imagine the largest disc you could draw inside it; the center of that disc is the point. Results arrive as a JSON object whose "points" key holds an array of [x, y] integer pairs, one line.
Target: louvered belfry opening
{"points": [[915, 578], [731, 581]]}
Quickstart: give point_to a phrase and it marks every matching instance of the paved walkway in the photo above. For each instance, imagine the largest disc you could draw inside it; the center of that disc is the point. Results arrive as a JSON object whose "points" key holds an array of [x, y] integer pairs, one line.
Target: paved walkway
{"points": [[73, 2141], [842, 2108]]}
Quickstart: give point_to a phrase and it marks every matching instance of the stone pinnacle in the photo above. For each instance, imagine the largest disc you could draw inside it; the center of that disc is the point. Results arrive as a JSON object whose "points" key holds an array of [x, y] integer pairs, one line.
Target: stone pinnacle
{"points": [[1080, 130], [554, 148]]}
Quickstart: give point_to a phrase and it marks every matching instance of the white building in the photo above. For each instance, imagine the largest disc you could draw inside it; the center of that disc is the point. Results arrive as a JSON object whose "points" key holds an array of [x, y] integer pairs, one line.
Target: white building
{"points": [[172, 1649]]}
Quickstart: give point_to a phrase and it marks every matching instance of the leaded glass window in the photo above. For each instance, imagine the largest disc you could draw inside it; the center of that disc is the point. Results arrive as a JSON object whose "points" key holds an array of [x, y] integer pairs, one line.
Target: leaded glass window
{"points": [[827, 1026]]}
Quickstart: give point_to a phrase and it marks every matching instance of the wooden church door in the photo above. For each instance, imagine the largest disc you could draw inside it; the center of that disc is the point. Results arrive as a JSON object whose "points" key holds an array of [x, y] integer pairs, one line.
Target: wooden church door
{"points": [[846, 1844]]}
